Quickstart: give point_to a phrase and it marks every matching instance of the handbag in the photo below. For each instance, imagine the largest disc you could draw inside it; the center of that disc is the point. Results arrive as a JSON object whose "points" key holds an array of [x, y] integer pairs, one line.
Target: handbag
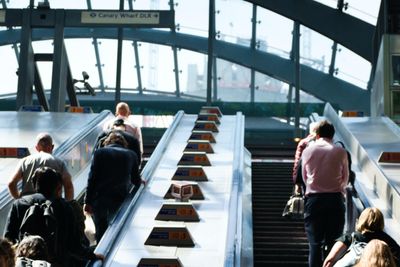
{"points": [[294, 208], [353, 254]]}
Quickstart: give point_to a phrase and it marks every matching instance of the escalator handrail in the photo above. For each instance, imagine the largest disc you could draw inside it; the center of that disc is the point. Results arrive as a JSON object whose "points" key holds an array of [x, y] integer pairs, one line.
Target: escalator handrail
{"points": [[234, 232], [64, 148], [115, 228]]}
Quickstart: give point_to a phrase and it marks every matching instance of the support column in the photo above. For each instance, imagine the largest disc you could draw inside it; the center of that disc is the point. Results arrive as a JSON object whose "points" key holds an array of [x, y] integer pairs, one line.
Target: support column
{"points": [[253, 47], [26, 68], [296, 49], [119, 59], [59, 73], [211, 39]]}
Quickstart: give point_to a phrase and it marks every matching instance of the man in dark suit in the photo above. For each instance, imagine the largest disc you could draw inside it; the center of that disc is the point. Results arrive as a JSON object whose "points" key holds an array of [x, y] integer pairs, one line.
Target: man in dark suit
{"points": [[113, 171]]}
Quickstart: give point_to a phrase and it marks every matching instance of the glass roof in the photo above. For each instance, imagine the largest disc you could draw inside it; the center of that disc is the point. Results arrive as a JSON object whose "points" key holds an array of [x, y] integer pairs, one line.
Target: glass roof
{"points": [[156, 63]]}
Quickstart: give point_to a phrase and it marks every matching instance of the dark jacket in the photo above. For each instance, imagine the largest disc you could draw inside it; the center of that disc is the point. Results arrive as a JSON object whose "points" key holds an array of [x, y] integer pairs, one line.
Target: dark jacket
{"points": [[69, 240], [113, 171], [133, 142]]}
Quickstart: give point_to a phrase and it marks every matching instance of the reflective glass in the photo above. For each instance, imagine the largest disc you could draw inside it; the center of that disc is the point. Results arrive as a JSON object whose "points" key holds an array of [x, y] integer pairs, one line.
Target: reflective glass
{"points": [[8, 69], [233, 21], [70, 4], [157, 71], [268, 89], [45, 68], [273, 39], [233, 82], [315, 49], [81, 57], [108, 54], [195, 23], [364, 10], [193, 76], [352, 68], [153, 4], [129, 78]]}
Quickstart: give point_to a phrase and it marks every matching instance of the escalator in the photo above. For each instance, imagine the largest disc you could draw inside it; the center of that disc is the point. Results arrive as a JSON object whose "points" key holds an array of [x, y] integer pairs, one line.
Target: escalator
{"points": [[277, 241]]}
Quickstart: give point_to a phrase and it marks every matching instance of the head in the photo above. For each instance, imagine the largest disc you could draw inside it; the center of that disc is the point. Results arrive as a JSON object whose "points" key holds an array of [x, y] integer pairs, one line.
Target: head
{"points": [[48, 182], [376, 253], [370, 220], [33, 247], [115, 138], [44, 142], [7, 253], [325, 130], [122, 109]]}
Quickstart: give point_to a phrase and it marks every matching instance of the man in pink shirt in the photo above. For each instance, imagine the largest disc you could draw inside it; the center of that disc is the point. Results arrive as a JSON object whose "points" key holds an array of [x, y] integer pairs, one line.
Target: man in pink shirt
{"points": [[325, 174]]}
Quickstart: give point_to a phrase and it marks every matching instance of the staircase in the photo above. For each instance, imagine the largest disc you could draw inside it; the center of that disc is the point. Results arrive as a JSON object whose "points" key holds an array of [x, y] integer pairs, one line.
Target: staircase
{"points": [[277, 241]]}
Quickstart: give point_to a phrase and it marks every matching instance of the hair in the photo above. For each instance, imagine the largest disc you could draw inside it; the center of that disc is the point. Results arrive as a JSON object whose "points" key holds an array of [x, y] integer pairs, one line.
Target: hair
{"points": [[46, 181], [122, 109], [325, 129], [44, 140], [115, 138], [377, 254], [370, 220], [33, 247], [7, 253], [313, 127]]}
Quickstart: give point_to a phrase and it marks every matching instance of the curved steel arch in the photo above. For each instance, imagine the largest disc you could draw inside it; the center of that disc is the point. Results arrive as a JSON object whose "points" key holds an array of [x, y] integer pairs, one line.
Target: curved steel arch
{"points": [[351, 32], [321, 85]]}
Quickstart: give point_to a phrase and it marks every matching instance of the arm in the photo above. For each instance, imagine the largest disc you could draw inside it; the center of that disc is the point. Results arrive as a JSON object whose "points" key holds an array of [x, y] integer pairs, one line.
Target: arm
{"points": [[12, 185], [68, 186], [336, 252]]}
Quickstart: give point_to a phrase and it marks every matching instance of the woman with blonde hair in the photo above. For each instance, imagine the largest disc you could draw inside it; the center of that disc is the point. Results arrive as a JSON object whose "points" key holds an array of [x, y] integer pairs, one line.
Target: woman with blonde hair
{"points": [[376, 254], [369, 226]]}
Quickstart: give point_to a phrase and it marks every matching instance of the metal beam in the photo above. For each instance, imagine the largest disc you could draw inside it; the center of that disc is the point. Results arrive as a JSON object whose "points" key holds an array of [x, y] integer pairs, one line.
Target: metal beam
{"points": [[296, 72], [97, 54], [210, 50], [119, 59], [321, 85], [253, 47], [345, 29], [175, 55]]}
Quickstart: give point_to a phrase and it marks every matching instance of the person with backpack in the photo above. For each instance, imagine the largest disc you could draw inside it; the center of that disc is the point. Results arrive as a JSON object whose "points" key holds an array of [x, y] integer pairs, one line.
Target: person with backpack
{"points": [[46, 214], [349, 247], [113, 171]]}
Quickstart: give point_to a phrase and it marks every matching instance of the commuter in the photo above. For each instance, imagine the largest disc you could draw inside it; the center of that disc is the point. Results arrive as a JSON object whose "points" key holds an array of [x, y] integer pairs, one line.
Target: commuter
{"points": [[303, 143], [376, 254], [122, 111], [32, 248], [119, 127], [325, 174], [61, 234], [369, 226], [28, 165], [113, 171], [7, 253]]}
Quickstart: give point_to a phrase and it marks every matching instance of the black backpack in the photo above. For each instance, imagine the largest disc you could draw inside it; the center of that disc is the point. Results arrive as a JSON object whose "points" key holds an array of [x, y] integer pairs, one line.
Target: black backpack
{"points": [[39, 220]]}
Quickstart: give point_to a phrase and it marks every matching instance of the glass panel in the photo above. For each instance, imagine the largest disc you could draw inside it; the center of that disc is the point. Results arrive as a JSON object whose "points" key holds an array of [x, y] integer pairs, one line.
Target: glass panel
{"points": [[315, 49], [233, 21], [233, 82], [157, 71], [8, 70], [193, 79], [268, 89], [45, 68], [81, 57], [330, 3], [273, 39], [364, 10], [192, 22], [70, 4], [101, 4], [352, 68], [153, 4], [108, 54], [128, 72]]}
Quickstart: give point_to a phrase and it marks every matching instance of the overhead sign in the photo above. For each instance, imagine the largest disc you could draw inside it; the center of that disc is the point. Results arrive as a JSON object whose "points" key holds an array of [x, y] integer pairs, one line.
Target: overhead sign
{"points": [[120, 17], [2, 16]]}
